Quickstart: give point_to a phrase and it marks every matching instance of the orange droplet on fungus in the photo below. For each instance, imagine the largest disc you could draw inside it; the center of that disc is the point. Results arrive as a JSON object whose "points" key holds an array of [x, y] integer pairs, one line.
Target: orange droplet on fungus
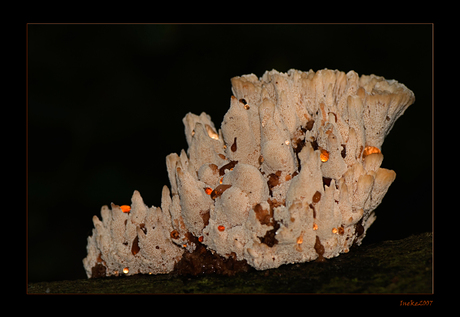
{"points": [[125, 208], [368, 150], [324, 156]]}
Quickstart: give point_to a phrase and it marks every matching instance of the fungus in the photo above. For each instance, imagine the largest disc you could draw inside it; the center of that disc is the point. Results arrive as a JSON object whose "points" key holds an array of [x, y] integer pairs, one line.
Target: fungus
{"points": [[293, 175]]}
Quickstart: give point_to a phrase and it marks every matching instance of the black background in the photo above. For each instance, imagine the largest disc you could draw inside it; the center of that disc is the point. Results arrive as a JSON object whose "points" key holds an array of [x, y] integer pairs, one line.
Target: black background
{"points": [[106, 102]]}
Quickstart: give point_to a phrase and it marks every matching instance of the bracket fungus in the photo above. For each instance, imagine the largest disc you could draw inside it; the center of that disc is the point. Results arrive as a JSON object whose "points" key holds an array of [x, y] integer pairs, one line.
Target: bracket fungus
{"points": [[293, 175]]}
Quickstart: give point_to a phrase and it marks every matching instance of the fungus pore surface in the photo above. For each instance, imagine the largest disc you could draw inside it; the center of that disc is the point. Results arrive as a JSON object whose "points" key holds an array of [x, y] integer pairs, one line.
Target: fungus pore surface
{"points": [[292, 175]]}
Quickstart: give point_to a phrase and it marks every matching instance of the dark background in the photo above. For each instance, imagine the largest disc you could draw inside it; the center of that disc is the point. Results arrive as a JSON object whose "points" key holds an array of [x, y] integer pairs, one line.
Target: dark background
{"points": [[106, 102]]}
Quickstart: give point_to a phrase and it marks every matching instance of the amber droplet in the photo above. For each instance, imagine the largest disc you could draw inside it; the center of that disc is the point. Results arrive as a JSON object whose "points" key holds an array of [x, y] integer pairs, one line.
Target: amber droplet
{"points": [[316, 197], [334, 230], [315, 226], [200, 239], [368, 150], [208, 190], [175, 234], [126, 270], [324, 156], [319, 248], [125, 208], [221, 228], [341, 230], [219, 190], [234, 146]]}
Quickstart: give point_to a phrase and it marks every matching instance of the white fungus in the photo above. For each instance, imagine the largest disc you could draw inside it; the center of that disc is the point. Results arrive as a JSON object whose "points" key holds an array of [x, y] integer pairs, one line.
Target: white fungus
{"points": [[292, 175]]}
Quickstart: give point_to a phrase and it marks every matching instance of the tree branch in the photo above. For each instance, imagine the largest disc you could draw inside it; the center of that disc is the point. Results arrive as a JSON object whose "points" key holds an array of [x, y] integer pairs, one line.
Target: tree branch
{"points": [[402, 266]]}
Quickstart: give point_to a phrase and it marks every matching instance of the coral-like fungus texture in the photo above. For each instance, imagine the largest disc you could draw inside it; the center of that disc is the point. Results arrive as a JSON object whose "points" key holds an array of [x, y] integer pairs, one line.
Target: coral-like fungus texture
{"points": [[292, 175]]}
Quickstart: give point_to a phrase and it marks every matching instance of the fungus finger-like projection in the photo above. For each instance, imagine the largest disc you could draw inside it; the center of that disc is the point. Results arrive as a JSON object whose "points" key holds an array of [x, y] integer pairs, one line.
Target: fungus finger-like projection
{"points": [[293, 175]]}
